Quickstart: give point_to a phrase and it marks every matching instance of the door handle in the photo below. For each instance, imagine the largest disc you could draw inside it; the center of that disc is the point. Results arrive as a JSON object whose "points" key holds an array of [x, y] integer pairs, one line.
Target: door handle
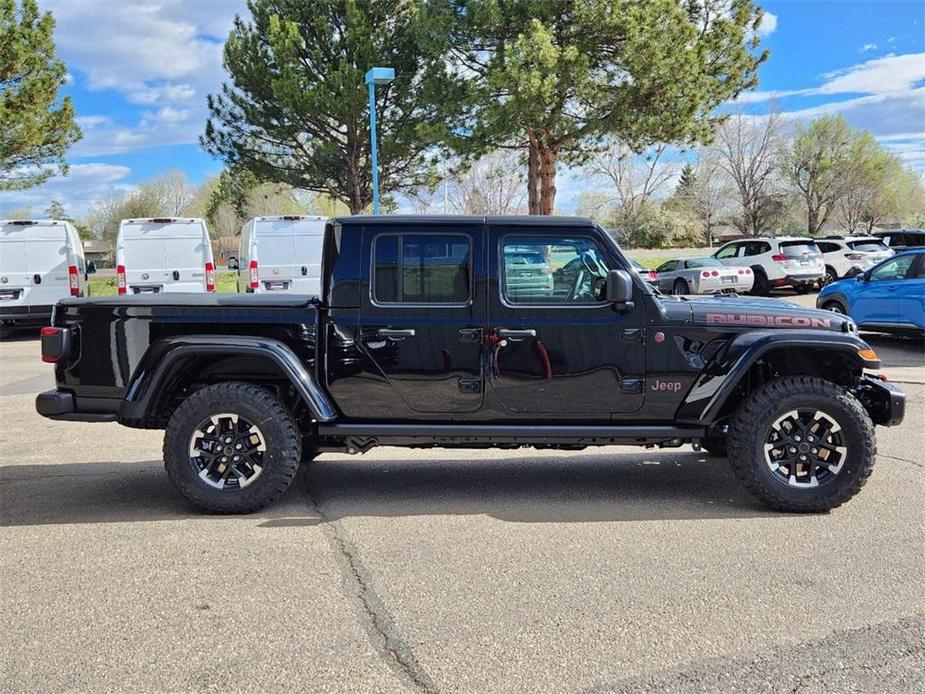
{"points": [[395, 333], [515, 335]]}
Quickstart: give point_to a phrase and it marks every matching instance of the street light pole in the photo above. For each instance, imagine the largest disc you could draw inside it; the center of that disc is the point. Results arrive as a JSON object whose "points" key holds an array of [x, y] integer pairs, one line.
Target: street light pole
{"points": [[377, 75]]}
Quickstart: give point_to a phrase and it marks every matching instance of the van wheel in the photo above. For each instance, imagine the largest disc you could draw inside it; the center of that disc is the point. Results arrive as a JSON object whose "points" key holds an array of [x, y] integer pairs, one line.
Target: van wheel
{"points": [[802, 444], [761, 286], [231, 448]]}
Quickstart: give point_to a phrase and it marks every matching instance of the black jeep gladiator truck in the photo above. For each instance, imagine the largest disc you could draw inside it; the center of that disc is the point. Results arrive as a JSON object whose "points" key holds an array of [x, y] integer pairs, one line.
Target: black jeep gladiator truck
{"points": [[472, 332]]}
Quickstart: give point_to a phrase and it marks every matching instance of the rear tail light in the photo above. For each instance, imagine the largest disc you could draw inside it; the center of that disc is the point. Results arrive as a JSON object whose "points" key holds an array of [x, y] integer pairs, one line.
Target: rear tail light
{"points": [[653, 275], [210, 277], [715, 273], [73, 280], [252, 272], [854, 256], [120, 278], [705, 273], [748, 271], [779, 258], [741, 270], [54, 344]]}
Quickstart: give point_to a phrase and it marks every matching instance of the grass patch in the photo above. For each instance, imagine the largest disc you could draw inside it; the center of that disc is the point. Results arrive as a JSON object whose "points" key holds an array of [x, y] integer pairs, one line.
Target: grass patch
{"points": [[225, 283]]}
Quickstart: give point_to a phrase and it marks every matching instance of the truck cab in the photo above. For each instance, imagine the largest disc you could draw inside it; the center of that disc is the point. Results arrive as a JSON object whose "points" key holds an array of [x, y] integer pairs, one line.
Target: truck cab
{"points": [[473, 332]]}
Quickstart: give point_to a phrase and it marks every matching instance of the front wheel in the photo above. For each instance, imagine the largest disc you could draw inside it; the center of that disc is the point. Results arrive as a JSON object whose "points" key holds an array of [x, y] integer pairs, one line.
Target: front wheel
{"points": [[802, 444], [680, 288], [231, 448], [761, 285]]}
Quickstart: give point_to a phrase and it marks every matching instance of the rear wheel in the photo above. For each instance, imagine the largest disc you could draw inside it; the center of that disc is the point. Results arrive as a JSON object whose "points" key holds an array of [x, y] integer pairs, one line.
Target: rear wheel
{"points": [[802, 444], [231, 448], [761, 287], [835, 307], [830, 275], [680, 287]]}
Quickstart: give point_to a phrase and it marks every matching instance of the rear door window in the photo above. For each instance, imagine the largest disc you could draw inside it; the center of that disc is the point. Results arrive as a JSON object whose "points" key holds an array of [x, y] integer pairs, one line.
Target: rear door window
{"points": [[421, 269]]}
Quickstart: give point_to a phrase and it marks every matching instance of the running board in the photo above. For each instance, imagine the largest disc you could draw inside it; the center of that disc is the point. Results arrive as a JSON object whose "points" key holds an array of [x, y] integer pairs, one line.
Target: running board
{"points": [[361, 437]]}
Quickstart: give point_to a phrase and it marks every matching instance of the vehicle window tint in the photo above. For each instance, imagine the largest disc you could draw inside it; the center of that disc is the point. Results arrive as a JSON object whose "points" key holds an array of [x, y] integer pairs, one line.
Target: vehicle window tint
{"points": [[827, 247], [896, 269], [421, 269], [794, 249], [702, 262], [914, 240], [669, 266], [918, 270], [728, 251], [553, 270], [756, 248], [867, 246]]}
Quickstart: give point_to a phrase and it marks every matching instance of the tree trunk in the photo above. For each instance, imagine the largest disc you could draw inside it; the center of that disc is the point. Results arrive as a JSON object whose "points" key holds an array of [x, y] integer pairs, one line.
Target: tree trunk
{"points": [[533, 175], [548, 157], [812, 221]]}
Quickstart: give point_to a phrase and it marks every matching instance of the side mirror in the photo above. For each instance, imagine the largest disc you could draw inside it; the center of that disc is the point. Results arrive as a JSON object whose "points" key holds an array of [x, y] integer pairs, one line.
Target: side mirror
{"points": [[232, 263], [853, 271], [620, 290], [91, 267]]}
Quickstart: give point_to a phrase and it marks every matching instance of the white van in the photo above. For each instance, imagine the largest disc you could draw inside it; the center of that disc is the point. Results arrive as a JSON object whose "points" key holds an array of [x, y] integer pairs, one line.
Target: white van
{"points": [[280, 254], [164, 255], [41, 261]]}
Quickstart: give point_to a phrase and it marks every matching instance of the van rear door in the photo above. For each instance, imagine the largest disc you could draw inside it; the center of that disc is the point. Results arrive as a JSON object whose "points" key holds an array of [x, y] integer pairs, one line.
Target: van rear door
{"points": [[165, 255], [33, 264], [289, 254]]}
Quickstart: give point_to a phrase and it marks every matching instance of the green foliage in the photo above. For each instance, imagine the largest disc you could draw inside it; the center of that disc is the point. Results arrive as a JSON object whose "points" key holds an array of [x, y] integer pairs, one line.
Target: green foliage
{"points": [[654, 225], [35, 129], [55, 210], [554, 76], [296, 110]]}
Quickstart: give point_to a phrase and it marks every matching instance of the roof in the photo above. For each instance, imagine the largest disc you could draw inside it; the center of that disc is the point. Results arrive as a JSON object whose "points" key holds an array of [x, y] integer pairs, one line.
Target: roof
{"points": [[525, 219]]}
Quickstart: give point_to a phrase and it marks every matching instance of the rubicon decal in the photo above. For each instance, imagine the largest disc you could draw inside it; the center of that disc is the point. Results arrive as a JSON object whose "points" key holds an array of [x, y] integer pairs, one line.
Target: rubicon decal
{"points": [[753, 319]]}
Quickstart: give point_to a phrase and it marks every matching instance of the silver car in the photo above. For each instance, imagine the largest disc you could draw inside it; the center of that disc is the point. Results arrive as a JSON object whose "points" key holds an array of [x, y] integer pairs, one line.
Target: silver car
{"points": [[703, 276]]}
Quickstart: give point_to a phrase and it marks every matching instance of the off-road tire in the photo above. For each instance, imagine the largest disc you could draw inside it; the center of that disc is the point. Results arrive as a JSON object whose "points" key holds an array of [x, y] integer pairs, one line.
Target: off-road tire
{"points": [[750, 427], [761, 285], [680, 287], [254, 404]]}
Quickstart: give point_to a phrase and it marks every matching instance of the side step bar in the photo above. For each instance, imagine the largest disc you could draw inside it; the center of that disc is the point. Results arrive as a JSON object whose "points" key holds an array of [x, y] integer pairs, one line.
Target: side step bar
{"points": [[361, 437]]}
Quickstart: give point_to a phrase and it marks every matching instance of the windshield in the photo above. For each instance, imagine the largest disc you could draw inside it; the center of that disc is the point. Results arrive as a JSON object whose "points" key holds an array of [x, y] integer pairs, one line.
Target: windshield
{"points": [[703, 262], [794, 249]]}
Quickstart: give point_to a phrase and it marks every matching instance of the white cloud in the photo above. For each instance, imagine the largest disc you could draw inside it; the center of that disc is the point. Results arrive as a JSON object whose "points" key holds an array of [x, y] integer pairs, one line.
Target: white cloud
{"points": [[868, 47], [158, 53], [893, 73], [77, 191], [768, 24]]}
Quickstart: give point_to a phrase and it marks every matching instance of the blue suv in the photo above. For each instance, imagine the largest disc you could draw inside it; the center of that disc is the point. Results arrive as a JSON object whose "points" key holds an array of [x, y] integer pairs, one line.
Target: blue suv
{"points": [[889, 297]]}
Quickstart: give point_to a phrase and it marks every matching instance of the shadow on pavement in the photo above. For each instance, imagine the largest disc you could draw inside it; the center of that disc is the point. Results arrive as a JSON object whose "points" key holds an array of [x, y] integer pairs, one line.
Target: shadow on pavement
{"points": [[579, 488]]}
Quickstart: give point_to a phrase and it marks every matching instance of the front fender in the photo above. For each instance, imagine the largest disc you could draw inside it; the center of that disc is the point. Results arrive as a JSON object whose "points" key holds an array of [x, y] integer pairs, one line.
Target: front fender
{"points": [[165, 356], [723, 373]]}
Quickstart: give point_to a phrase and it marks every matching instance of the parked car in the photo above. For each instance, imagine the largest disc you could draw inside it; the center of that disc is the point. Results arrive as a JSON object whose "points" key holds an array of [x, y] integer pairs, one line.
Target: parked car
{"points": [[846, 256], [902, 239], [890, 297], [703, 276], [280, 254], [165, 254], [249, 386], [784, 261], [527, 272], [41, 261], [647, 274]]}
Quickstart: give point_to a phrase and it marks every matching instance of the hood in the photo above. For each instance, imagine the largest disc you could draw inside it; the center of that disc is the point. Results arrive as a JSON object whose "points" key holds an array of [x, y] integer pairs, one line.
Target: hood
{"points": [[765, 313]]}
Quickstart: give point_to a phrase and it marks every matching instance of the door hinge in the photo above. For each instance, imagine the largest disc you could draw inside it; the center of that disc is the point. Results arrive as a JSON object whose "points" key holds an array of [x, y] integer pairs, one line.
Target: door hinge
{"points": [[470, 385], [470, 335]]}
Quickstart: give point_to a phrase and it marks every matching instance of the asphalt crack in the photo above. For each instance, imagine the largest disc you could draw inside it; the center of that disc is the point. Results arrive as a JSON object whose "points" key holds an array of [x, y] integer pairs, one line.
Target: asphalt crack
{"points": [[375, 617], [902, 460]]}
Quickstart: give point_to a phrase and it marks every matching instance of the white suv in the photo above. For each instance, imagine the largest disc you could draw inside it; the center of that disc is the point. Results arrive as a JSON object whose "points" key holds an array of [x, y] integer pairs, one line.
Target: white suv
{"points": [[785, 261], [842, 254]]}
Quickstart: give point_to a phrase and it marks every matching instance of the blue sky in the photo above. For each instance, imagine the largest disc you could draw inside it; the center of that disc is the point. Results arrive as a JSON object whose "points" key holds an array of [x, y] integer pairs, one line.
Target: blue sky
{"points": [[140, 71]]}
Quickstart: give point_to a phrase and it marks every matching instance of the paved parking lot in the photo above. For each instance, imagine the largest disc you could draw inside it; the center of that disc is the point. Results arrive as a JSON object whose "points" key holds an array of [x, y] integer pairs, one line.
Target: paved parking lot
{"points": [[495, 571]]}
